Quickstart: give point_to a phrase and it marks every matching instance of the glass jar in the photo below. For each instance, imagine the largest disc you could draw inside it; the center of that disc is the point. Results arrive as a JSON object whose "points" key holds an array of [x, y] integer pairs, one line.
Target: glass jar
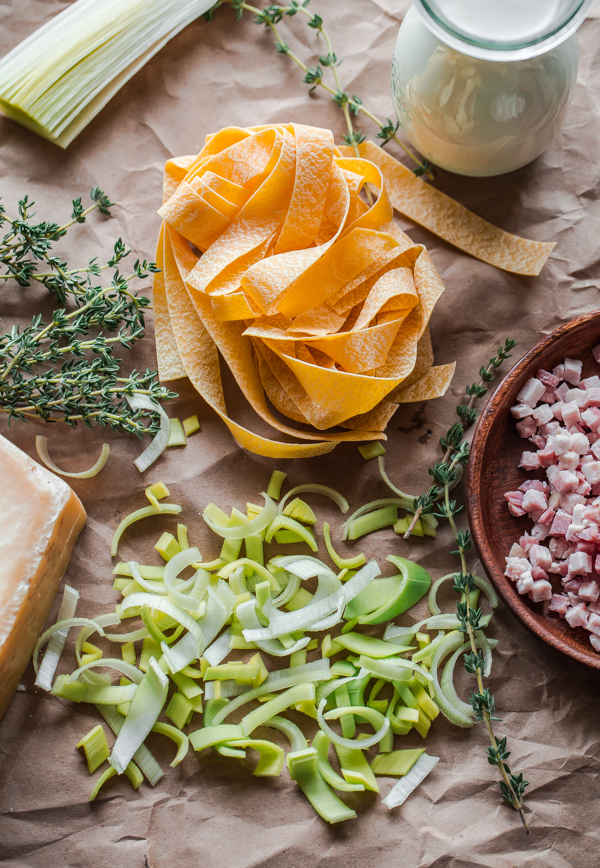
{"points": [[481, 86]]}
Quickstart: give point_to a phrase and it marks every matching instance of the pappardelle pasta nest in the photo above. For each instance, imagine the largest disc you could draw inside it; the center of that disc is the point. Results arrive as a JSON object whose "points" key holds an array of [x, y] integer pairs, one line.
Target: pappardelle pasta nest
{"points": [[275, 254]]}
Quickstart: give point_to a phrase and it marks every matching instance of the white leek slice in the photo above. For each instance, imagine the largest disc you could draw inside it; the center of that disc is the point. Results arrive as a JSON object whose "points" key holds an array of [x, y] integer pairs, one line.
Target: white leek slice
{"points": [[151, 587], [62, 625], [454, 711], [402, 790], [142, 756], [393, 670], [301, 619], [289, 729], [159, 442], [371, 714], [57, 641], [145, 707], [126, 669], [145, 512], [154, 601], [178, 656], [250, 528], [218, 651], [316, 488], [180, 562], [41, 447]]}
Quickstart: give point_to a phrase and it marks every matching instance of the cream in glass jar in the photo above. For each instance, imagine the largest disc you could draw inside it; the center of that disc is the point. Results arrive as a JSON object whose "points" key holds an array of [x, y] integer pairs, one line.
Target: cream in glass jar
{"points": [[481, 86]]}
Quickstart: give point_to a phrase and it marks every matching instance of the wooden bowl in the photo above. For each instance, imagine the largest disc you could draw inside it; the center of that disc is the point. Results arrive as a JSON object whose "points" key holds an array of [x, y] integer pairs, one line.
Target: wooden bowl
{"points": [[493, 470]]}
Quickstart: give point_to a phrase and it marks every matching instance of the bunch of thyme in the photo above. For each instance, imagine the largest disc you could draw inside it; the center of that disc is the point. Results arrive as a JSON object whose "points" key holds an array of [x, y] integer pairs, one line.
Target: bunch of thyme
{"points": [[65, 369], [270, 17]]}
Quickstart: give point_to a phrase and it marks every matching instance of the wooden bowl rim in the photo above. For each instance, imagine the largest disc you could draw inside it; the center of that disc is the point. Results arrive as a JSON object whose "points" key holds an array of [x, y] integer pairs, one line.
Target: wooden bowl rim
{"points": [[496, 404]]}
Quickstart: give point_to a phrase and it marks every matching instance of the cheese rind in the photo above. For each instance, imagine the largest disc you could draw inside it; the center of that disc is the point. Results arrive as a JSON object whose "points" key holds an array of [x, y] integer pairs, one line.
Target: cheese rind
{"points": [[40, 519]]}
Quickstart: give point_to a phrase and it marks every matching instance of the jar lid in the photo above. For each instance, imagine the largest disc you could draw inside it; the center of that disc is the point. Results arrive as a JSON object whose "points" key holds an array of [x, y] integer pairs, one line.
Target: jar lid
{"points": [[503, 29]]}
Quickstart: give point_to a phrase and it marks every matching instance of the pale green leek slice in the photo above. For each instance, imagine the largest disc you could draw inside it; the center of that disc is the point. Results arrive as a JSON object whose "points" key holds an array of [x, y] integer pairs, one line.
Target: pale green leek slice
{"points": [[370, 522], [95, 747], [372, 450], [375, 718], [283, 522], [106, 775], [341, 563], [303, 769], [301, 511], [177, 593], [256, 525], [289, 729], [76, 691], [382, 503], [408, 500], [180, 739], [191, 425], [59, 626], [209, 736], [396, 763], [126, 669], [482, 584], [138, 515], [57, 641], [402, 790], [300, 693], [259, 569], [142, 756], [280, 679], [321, 744], [159, 442], [275, 483], [355, 767], [399, 669], [452, 708], [179, 710], [41, 446], [176, 433], [271, 757], [145, 707], [370, 646], [316, 488], [157, 491]]}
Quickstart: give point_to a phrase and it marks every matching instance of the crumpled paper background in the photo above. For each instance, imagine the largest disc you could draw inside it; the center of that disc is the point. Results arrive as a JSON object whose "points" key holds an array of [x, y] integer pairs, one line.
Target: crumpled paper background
{"points": [[211, 811]]}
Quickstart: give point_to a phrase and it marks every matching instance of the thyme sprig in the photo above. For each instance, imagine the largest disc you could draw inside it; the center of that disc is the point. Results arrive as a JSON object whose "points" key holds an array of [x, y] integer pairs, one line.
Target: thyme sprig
{"points": [[64, 369], [270, 17], [512, 785], [467, 413], [437, 501]]}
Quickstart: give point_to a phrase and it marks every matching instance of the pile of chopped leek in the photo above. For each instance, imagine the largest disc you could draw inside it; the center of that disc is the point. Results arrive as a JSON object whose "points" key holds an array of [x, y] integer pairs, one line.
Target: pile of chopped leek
{"points": [[243, 652], [60, 77]]}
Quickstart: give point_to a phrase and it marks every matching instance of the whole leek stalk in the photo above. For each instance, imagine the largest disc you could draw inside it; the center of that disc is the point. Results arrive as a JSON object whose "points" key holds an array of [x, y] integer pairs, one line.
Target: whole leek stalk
{"points": [[61, 76]]}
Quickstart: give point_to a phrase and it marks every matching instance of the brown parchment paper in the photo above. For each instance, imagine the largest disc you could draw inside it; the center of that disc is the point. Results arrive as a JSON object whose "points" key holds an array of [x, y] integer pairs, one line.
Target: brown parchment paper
{"points": [[211, 811]]}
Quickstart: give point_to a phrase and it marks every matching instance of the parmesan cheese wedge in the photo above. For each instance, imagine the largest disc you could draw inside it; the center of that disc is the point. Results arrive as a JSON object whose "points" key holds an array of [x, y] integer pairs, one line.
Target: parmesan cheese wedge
{"points": [[40, 519]]}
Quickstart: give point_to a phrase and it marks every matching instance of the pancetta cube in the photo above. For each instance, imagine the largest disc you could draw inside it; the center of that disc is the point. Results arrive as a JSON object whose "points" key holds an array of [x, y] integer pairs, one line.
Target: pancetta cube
{"points": [[531, 392], [572, 371], [559, 604], [541, 590], [577, 616], [589, 592], [570, 413]]}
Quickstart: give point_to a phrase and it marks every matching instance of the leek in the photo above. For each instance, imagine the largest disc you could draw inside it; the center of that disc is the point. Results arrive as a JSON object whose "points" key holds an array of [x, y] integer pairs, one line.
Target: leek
{"points": [[146, 705], [275, 483], [191, 425], [95, 747], [41, 446], [402, 790], [57, 640], [64, 73]]}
